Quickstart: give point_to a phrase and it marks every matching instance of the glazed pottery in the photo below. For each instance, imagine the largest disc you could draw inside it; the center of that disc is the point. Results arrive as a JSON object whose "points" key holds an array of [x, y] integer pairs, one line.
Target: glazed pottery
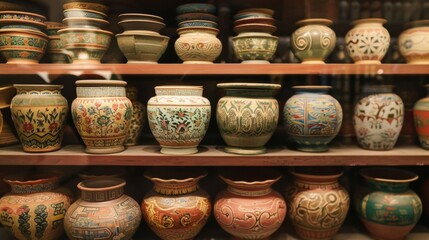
{"points": [[196, 16], [39, 113], [197, 23], [198, 45], [52, 28], [94, 6], [102, 212], [378, 118], [387, 207], [317, 204], [254, 13], [83, 13], [85, 22], [35, 208], [176, 208], [142, 25], [137, 120], [255, 48], [19, 19], [140, 16], [414, 43], [368, 41], [312, 118], [249, 208], [102, 114], [421, 120], [196, 8], [313, 41], [247, 116], [22, 46], [56, 51]]}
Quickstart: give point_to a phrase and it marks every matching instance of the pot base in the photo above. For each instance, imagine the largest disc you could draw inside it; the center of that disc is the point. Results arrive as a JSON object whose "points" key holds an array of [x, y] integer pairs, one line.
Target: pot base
{"points": [[197, 62], [21, 61], [368, 62], [385, 232], [86, 62], [115, 149], [255, 62], [245, 151], [315, 148], [141, 62], [313, 62], [178, 151]]}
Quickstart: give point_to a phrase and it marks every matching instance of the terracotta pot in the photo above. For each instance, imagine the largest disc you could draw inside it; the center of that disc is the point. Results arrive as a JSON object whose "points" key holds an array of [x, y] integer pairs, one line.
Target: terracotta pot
{"points": [[312, 117], [176, 208], [179, 117], [414, 44], [249, 208], [386, 206], [378, 118], [102, 114], [317, 204], [137, 120], [39, 113], [35, 208], [102, 212], [421, 120]]}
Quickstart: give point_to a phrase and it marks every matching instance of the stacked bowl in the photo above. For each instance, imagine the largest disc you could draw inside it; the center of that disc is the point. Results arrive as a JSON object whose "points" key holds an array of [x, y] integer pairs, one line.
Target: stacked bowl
{"points": [[55, 51], [198, 28], [141, 41], [255, 42], [83, 37], [21, 37]]}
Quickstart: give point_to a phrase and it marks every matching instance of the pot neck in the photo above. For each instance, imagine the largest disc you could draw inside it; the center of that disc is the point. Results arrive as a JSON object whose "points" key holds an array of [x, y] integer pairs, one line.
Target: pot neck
{"points": [[388, 186], [33, 186], [100, 91], [250, 188], [250, 93], [316, 181], [175, 188], [179, 91], [101, 189], [24, 89], [250, 192]]}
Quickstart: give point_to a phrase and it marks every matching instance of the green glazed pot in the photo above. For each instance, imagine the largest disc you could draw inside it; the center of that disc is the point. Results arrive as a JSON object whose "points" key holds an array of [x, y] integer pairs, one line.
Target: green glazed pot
{"points": [[255, 47], [22, 46]]}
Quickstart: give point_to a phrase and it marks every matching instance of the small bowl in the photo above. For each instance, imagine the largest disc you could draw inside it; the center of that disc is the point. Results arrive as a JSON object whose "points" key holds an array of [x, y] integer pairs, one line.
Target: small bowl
{"points": [[142, 47], [86, 6], [197, 23], [255, 27], [84, 13], [255, 48], [257, 20], [196, 16], [254, 13], [142, 25], [140, 16], [25, 20], [196, 8], [80, 22]]}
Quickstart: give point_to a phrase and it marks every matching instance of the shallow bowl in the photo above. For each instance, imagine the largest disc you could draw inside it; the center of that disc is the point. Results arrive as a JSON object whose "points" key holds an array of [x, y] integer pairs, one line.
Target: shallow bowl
{"points": [[84, 13], [142, 25], [196, 8], [142, 47], [196, 16], [86, 5], [197, 23], [80, 22], [24, 20], [140, 16], [255, 27], [255, 48]]}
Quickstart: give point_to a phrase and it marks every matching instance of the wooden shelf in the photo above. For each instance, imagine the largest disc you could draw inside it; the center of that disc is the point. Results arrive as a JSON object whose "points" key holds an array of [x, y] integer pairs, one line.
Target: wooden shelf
{"points": [[74, 155]]}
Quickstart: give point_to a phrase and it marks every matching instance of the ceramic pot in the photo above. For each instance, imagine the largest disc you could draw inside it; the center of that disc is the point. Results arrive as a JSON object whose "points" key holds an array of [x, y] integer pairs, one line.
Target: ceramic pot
{"points": [[137, 120], [255, 47], [39, 113], [387, 207], [312, 118], [247, 116], [35, 208], [198, 45], [102, 212], [421, 120], [414, 44], [313, 41], [56, 51], [22, 46], [249, 208], [378, 118], [317, 204], [179, 117], [176, 208], [102, 114], [368, 41]]}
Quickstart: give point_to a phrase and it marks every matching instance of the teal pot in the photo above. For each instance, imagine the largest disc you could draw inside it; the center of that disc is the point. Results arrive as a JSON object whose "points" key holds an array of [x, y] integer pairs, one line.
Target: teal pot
{"points": [[255, 47], [312, 118], [387, 207], [247, 116]]}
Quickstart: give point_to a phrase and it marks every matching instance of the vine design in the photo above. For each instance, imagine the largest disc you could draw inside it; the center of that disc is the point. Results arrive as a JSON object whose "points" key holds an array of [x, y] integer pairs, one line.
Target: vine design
{"points": [[23, 219], [40, 220]]}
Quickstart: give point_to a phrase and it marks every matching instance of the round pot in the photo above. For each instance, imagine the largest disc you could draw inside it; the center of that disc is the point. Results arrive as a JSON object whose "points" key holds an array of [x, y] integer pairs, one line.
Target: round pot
{"points": [[378, 118], [249, 208], [113, 215], [387, 207], [317, 204], [102, 114], [255, 47], [312, 118], [413, 42], [313, 41], [368, 41], [137, 120], [198, 45], [39, 113], [247, 116], [179, 117], [176, 208], [421, 120], [22, 46]]}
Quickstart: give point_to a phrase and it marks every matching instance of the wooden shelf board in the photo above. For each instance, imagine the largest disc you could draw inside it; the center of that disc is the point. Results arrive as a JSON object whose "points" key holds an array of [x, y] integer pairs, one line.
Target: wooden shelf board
{"points": [[74, 155]]}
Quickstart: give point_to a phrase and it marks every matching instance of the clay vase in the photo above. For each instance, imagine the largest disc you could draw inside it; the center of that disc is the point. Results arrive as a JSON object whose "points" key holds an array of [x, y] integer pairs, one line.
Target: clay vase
{"points": [[421, 120], [39, 113], [176, 208], [378, 118], [387, 207], [413, 42], [312, 118], [102, 114], [138, 118], [368, 41], [102, 212], [249, 208], [179, 117], [317, 204], [313, 41], [247, 116], [35, 208]]}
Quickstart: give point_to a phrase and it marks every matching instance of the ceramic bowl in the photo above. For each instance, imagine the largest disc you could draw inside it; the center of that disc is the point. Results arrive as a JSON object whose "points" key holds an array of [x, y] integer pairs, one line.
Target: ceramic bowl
{"points": [[255, 49], [142, 47], [196, 8], [52, 28], [142, 25], [25, 20], [197, 23], [78, 22], [84, 13], [254, 13], [413, 43], [255, 27], [22, 45], [140, 16], [196, 16], [257, 20], [87, 6]]}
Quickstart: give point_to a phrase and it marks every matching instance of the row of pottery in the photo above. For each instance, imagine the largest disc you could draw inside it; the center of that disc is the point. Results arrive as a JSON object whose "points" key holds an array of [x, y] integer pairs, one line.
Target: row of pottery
{"points": [[177, 209]]}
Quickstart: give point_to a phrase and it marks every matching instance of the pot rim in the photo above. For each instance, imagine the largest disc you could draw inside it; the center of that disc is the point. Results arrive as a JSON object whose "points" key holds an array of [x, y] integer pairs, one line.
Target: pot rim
{"points": [[100, 82], [171, 175], [391, 175], [369, 20], [256, 10], [108, 183], [77, 29], [417, 23], [44, 86], [246, 178], [83, 20], [24, 13], [142, 21], [145, 33], [312, 87], [320, 174], [316, 21], [238, 85], [161, 19], [178, 86], [23, 31], [85, 10], [21, 179], [210, 29]]}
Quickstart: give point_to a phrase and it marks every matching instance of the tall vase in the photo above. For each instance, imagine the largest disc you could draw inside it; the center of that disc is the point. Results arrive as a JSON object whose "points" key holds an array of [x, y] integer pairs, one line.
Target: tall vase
{"points": [[102, 114], [317, 204], [378, 118], [387, 207], [249, 208], [39, 114], [137, 120], [176, 208], [414, 43], [247, 116], [421, 120], [179, 117], [35, 208], [312, 117], [102, 212]]}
